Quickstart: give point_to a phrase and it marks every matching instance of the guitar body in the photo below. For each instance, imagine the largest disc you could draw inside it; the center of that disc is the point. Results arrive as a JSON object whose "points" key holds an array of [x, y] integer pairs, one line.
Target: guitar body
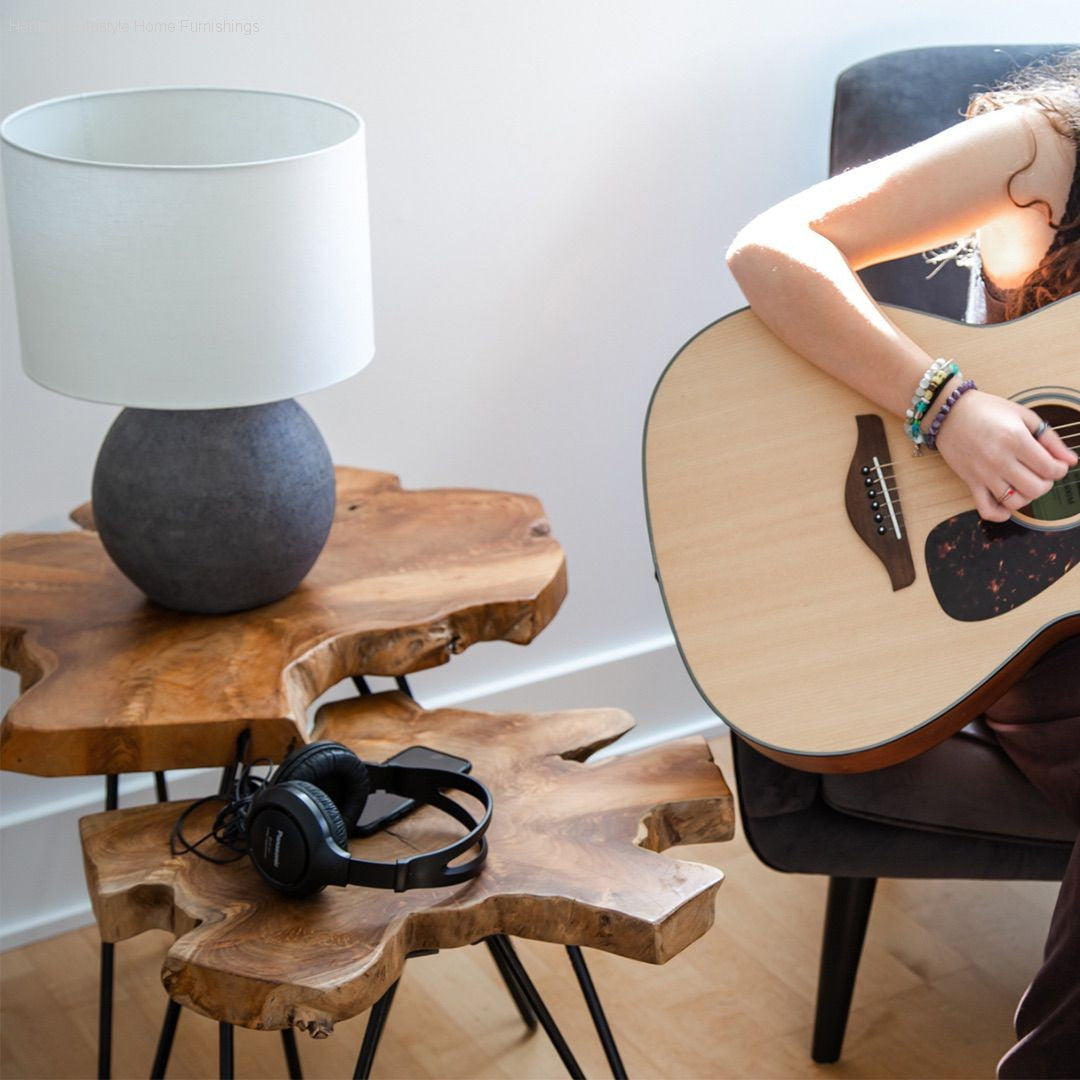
{"points": [[830, 640]]}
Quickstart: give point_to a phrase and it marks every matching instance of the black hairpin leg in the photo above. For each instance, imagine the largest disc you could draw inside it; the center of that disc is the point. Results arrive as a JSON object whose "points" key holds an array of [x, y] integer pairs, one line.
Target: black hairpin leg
{"points": [[228, 780], [361, 684], [537, 1005], [596, 1010], [172, 1009], [105, 994], [225, 1031], [520, 1000], [292, 1055], [373, 1032], [165, 1040], [168, 1031], [516, 991], [225, 1051], [105, 989]]}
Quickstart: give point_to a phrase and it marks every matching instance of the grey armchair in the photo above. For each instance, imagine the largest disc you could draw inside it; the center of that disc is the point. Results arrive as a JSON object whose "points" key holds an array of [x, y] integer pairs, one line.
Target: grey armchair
{"points": [[911, 820]]}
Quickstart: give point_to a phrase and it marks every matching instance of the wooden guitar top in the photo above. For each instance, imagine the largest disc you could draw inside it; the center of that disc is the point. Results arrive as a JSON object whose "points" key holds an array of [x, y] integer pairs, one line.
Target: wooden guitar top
{"points": [[795, 630]]}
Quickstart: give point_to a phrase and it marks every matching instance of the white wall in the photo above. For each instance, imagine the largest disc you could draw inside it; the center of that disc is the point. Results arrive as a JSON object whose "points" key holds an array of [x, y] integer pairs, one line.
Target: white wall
{"points": [[553, 184]]}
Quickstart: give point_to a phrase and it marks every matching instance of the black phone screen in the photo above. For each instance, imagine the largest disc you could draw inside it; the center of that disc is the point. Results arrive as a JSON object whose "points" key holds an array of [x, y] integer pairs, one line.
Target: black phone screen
{"points": [[382, 808]]}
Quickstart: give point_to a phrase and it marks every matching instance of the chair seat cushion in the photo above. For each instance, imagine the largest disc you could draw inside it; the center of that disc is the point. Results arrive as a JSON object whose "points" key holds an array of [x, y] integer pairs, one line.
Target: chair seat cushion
{"points": [[966, 784]]}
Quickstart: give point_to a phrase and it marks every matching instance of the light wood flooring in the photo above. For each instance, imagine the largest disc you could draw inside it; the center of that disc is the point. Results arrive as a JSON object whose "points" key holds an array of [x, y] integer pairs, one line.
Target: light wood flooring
{"points": [[943, 967]]}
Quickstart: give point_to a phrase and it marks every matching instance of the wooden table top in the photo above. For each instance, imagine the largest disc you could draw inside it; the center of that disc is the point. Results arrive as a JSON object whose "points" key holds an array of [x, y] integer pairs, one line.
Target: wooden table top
{"points": [[572, 859], [114, 683]]}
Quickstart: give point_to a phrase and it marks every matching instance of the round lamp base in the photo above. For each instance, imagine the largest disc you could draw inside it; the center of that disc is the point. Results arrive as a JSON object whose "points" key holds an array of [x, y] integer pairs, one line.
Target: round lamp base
{"points": [[214, 510]]}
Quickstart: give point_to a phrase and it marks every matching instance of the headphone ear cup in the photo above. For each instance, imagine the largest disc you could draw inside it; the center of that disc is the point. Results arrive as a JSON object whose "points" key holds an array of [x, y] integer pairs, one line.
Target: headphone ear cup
{"points": [[329, 811], [334, 769]]}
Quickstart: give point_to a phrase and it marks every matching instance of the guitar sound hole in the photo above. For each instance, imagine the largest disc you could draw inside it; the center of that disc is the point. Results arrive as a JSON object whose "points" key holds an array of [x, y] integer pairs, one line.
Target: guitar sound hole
{"points": [[982, 569], [1062, 501]]}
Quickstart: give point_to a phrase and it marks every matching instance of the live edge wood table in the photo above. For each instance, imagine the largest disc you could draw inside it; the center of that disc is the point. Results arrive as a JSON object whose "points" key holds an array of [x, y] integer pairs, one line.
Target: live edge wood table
{"points": [[571, 860], [112, 683]]}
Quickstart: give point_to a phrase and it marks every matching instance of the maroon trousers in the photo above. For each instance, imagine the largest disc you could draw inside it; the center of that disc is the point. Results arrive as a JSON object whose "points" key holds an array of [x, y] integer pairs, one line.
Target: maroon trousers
{"points": [[1037, 723]]}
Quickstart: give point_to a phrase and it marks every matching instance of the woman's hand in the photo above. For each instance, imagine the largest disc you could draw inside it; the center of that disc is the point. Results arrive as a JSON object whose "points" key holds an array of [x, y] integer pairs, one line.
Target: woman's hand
{"points": [[989, 443]]}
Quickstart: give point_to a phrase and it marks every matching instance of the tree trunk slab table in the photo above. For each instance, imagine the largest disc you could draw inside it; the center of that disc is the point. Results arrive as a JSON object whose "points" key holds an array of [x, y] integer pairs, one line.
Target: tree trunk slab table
{"points": [[573, 858], [114, 683]]}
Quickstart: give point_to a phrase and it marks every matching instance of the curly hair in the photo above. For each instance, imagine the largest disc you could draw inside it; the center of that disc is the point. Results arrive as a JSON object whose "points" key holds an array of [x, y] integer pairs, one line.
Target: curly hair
{"points": [[1054, 86]]}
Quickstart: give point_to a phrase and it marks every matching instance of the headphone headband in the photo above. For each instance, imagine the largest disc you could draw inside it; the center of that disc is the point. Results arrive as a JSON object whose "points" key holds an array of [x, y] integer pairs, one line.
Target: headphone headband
{"points": [[296, 839]]}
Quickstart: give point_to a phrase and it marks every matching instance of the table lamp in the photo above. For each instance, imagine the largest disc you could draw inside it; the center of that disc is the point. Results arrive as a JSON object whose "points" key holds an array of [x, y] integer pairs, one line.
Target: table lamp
{"points": [[198, 255]]}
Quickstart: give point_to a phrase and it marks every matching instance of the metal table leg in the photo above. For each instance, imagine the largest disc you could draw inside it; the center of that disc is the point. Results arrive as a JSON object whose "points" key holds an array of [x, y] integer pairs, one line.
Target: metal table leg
{"points": [[592, 999], [537, 1005], [292, 1055], [105, 990], [520, 1000], [373, 1032], [165, 1041], [225, 1051]]}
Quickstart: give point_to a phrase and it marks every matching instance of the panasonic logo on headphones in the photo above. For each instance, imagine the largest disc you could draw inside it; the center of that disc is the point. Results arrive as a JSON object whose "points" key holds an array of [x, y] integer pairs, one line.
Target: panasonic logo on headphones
{"points": [[272, 846]]}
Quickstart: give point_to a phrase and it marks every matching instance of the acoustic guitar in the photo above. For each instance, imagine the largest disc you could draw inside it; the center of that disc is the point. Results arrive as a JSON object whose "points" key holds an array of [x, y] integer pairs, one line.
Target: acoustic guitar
{"points": [[837, 600]]}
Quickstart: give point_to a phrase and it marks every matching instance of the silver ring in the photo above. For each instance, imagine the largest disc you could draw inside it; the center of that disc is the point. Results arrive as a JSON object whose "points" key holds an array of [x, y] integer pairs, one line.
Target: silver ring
{"points": [[1038, 432], [1011, 491]]}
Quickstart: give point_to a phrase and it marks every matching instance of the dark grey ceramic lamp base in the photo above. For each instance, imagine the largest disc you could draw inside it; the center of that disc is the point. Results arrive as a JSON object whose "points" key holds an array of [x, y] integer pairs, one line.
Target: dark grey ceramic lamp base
{"points": [[214, 510]]}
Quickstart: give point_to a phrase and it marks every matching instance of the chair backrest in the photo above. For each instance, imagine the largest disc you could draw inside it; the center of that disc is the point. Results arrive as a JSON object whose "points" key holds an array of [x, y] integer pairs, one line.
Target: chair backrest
{"points": [[892, 101]]}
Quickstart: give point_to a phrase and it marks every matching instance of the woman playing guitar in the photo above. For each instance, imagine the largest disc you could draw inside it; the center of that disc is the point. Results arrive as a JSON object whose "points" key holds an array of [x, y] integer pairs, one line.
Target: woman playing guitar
{"points": [[1007, 178]]}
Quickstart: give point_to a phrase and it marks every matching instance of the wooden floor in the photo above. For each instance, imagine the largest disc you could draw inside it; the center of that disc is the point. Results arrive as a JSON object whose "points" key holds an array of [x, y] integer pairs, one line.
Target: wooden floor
{"points": [[943, 967]]}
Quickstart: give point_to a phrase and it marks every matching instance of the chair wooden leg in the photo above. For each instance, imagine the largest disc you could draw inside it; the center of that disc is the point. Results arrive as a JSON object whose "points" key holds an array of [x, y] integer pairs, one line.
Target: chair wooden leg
{"points": [[846, 914]]}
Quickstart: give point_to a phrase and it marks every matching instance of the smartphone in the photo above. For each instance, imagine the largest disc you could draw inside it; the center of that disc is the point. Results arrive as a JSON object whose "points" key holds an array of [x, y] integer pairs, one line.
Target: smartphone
{"points": [[382, 808]]}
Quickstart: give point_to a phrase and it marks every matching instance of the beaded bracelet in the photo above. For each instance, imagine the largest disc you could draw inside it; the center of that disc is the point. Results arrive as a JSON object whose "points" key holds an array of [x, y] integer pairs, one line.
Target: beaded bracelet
{"points": [[950, 401], [930, 386]]}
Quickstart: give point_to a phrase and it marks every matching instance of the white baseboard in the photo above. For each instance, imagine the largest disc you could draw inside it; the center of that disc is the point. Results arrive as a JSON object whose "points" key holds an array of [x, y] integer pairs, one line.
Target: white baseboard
{"points": [[44, 892]]}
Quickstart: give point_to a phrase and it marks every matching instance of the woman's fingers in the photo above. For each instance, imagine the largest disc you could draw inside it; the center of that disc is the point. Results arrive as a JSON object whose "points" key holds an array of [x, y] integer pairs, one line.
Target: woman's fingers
{"points": [[1026, 485], [1036, 454], [1005, 452], [1052, 442], [987, 505]]}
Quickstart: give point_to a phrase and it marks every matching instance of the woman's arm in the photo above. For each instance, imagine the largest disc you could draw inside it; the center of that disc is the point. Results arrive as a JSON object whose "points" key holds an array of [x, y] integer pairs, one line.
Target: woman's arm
{"points": [[796, 264]]}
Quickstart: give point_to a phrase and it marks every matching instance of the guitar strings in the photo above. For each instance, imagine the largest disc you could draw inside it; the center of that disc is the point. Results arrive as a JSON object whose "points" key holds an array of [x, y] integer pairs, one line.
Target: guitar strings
{"points": [[1061, 484], [1066, 439], [962, 503], [914, 465], [1066, 481], [918, 520], [1071, 442]]}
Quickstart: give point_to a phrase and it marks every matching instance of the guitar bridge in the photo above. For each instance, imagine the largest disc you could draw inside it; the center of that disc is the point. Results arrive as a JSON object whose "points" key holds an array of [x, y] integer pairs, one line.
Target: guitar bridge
{"points": [[873, 502]]}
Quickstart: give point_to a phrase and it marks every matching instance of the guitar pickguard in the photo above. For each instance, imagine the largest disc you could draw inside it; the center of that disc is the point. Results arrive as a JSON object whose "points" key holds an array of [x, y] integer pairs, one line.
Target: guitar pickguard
{"points": [[981, 569]]}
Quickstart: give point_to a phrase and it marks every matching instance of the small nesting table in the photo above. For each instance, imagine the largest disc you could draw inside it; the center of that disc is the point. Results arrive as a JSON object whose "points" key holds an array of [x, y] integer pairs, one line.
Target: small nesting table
{"points": [[572, 859], [112, 683]]}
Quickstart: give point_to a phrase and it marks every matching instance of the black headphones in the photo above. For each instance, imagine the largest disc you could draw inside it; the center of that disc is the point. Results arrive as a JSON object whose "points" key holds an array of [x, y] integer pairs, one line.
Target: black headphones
{"points": [[299, 820]]}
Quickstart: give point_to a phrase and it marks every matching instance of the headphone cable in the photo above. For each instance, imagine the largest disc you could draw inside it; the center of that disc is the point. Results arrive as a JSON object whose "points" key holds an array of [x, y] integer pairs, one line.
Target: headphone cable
{"points": [[230, 824]]}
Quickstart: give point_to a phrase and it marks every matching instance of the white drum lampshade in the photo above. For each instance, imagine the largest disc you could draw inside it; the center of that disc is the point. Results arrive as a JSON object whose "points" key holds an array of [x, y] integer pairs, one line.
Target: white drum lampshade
{"points": [[189, 248], [199, 255]]}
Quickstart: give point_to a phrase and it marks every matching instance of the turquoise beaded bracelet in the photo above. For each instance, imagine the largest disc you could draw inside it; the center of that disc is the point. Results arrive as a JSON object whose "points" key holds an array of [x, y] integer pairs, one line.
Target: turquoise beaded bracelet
{"points": [[930, 386]]}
